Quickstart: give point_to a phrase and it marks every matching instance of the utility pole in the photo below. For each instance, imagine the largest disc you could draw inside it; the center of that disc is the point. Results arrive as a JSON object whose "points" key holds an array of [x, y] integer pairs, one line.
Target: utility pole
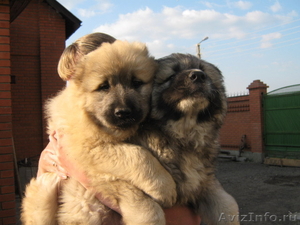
{"points": [[198, 47]]}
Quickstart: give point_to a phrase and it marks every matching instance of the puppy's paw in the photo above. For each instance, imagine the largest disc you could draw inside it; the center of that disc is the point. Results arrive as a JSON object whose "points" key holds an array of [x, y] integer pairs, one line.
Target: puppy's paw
{"points": [[165, 193], [48, 181], [39, 206], [168, 198]]}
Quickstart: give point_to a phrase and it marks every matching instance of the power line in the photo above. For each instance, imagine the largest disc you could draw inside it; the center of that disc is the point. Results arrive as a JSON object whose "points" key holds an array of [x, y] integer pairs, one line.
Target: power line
{"points": [[227, 54], [255, 37], [259, 30], [240, 53], [251, 43]]}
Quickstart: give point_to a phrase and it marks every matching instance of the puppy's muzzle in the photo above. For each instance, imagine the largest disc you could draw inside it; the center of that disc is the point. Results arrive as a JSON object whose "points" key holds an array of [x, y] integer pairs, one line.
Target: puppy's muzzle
{"points": [[123, 113], [197, 76]]}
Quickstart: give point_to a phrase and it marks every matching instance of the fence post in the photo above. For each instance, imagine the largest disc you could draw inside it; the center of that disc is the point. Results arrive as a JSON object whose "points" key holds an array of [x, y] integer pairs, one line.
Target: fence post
{"points": [[256, 91]]}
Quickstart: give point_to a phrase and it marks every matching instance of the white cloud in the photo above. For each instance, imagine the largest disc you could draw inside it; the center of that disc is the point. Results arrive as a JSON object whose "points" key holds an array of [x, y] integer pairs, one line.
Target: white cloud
{"points": [[178, 25], [271, 36], [160, 48], [211, 4], [293, 13], [95, 6], [276, 7], [266, 45], [103, 5], [257, 17], [86, 13], [170, 22], [70, 4], [244, 5], [267, 38]]}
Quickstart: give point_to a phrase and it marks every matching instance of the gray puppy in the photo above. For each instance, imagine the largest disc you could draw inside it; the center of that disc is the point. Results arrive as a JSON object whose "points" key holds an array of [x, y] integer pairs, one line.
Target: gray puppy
{"points": [[188, 109]]}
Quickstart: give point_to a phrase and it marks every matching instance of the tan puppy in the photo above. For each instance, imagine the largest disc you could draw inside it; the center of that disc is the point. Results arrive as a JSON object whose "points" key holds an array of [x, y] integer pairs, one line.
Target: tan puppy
{"points": [[102, 106], [188, 108]]}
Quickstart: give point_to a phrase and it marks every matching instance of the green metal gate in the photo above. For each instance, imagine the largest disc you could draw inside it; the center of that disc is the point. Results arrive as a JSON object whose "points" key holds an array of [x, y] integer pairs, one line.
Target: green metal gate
{"points": [[282, 123]]}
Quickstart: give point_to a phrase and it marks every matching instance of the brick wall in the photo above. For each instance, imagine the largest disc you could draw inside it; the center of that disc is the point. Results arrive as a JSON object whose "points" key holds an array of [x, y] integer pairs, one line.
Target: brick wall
{"points": [[52, 44], [7, 190], [256, 91], [37, 39], [30, 48], [245, 117], [237, 123]]}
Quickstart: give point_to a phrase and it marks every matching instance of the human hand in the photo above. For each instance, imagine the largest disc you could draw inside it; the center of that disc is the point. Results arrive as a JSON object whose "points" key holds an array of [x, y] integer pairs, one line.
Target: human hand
{"points": [[177, 215], [49, 162], [64, 161], [181, 215], [54, 159]]}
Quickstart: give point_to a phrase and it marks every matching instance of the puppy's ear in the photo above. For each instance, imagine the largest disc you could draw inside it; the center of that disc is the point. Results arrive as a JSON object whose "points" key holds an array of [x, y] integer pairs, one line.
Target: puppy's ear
{"points": [[68, 60]]}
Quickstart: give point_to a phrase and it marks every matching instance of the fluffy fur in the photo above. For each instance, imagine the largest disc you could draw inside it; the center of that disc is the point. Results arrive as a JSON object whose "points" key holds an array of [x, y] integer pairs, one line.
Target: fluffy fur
{"points": [[103, 105], [188, 108]]}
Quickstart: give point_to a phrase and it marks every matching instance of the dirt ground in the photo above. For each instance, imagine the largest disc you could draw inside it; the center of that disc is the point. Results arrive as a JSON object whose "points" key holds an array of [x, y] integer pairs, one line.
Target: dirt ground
{"points": [[265, 194]]}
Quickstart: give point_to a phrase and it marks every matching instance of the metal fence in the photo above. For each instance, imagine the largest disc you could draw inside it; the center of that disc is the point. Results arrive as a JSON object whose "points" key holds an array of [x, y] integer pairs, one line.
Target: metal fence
{"points": [[282, 123]]}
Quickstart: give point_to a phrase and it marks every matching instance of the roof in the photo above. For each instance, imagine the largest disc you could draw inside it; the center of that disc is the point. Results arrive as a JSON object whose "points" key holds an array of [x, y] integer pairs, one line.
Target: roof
{"points": [[16, 7], [72, 22], [286, 90]]}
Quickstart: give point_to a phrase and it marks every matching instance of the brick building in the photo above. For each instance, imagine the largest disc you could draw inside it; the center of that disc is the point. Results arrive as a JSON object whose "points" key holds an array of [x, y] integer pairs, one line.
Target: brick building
{"points": [[32, 38], [245, 117]]}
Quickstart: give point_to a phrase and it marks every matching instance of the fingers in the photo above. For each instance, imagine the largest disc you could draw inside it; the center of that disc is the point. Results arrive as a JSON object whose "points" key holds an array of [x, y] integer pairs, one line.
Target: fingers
{"points": [[55, 167], [61, 172], [53, 144], [55, 140], [49, 162]]}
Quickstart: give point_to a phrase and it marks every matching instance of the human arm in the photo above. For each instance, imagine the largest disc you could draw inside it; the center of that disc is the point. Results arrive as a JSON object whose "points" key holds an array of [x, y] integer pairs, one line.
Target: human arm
{"points": [[49, 162], [181, 215], [54, 159], [128, 162]]}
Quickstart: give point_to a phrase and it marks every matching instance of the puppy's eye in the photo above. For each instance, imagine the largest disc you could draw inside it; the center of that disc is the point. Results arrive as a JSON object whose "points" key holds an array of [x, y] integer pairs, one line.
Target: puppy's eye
{"points": [[137, 83], [103, 87]]}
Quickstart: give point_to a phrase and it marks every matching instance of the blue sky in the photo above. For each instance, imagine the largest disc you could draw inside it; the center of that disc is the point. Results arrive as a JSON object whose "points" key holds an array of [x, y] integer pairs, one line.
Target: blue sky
{"points": [[247, 40]]}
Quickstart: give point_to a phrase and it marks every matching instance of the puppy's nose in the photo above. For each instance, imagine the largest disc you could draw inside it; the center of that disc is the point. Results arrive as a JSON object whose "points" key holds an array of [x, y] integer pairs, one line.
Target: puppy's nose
{"points": [[122, 113], [197, 76]]}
